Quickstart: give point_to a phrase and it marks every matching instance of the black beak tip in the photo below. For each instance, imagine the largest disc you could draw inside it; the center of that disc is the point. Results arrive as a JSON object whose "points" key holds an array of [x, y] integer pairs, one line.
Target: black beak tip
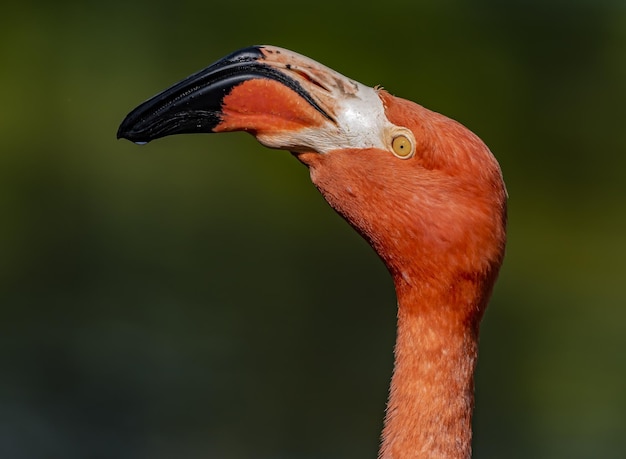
{"points": [[126, 131], [121, 133]]}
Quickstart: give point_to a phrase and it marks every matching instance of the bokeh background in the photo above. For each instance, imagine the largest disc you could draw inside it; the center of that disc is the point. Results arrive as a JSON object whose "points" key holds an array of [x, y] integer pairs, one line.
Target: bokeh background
{"points": [[197, 298]]}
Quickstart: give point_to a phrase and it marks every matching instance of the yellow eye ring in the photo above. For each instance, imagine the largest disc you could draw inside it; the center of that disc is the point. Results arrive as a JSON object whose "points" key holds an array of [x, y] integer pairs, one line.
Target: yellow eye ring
{"points": [[402, 147]]}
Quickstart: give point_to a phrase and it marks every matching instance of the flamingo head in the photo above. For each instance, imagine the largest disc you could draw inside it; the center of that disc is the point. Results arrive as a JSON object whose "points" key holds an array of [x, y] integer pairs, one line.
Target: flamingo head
{"points": [[421, 188]]}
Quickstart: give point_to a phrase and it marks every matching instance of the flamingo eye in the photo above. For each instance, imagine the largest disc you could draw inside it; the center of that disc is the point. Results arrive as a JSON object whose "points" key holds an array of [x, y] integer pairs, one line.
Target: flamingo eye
{"points": [[402, 147]]}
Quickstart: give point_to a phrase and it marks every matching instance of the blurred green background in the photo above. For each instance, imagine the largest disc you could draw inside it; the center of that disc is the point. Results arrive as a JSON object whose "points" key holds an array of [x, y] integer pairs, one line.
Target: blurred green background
{"points": [[197, 298]]}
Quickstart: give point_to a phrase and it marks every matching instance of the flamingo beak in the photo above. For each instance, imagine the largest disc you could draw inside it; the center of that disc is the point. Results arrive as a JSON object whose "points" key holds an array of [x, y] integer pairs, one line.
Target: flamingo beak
{"points": [[284, 99], [243, 91]]}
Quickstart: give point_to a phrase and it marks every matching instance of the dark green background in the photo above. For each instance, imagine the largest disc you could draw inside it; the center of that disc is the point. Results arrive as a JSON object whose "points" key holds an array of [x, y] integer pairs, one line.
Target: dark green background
{"points": [[196, 297]]}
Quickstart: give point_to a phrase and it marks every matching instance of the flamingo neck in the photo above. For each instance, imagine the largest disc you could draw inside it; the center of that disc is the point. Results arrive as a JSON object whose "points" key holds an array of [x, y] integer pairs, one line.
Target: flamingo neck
{"points": [[431, 397]]}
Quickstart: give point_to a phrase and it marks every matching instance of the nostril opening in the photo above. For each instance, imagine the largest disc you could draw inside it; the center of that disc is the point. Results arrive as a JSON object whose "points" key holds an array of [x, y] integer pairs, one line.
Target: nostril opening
{"points": [[306, 76]]}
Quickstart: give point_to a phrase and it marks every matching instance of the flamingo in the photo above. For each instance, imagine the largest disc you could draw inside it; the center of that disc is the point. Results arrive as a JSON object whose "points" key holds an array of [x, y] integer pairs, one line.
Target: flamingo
{"points": [[422, 189]]}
